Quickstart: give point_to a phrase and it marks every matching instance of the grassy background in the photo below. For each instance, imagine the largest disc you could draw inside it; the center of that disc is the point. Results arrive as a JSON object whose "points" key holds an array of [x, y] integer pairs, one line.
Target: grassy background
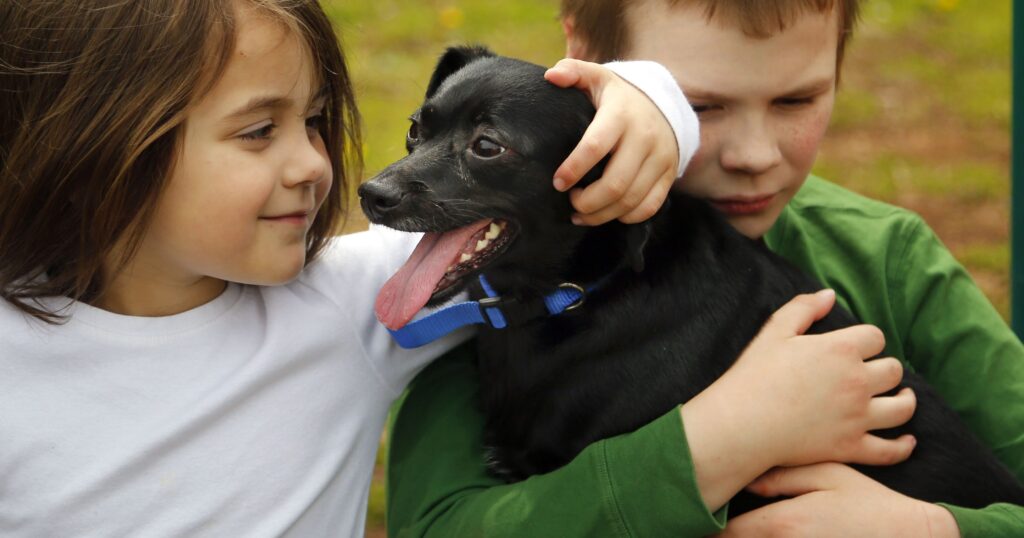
{"points": [[922, 119]]}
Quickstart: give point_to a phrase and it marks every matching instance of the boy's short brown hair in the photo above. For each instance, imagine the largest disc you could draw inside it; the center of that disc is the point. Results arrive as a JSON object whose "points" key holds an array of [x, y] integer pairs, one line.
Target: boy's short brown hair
{"points": [[601, 24]]}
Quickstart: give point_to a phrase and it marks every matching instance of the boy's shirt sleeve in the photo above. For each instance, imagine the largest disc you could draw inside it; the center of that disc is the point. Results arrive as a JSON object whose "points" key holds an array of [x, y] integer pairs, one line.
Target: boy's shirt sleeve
{"points": [[661, 87], [637, 484], [961, 345]]}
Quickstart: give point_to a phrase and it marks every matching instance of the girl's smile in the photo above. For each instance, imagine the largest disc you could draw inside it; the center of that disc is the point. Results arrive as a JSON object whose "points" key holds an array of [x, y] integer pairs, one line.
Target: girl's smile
{"points": [[251, 173]]}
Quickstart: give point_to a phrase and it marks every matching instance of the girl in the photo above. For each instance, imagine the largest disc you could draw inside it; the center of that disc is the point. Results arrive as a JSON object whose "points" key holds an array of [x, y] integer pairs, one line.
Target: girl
{"points": [[184, 349]]}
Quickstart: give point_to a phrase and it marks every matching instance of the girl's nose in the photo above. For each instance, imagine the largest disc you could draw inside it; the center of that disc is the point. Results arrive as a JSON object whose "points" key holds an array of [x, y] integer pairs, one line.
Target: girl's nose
{"points": [[752, 149], [308, 163]]}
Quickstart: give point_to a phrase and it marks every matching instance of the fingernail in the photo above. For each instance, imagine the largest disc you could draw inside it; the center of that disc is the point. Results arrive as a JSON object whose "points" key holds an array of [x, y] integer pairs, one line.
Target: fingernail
{"points": [[577, 220], [827, 292], [559, 184]]}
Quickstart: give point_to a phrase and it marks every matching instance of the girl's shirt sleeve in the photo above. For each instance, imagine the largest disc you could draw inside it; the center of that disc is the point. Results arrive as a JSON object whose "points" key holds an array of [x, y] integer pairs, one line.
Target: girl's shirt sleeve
{"points": [[637, 484], [661, 87], [351, 271]]}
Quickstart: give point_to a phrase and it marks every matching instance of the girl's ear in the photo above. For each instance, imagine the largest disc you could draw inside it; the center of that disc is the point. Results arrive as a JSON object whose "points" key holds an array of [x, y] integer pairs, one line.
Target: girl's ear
{"points": [[575, 48], [452, 60]]}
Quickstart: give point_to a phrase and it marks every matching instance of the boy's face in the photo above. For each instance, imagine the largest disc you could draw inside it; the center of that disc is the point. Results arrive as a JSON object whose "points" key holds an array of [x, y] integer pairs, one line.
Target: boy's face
{"points": [[764, 104]]}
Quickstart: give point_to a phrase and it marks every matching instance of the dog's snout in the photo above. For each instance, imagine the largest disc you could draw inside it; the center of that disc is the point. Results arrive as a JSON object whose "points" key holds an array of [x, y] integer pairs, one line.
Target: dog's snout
{"points": [[379, 197]]}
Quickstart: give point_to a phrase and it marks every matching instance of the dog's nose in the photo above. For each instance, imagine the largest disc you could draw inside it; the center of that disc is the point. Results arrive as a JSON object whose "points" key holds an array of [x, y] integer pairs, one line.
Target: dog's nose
{"points": [[379, 197]]}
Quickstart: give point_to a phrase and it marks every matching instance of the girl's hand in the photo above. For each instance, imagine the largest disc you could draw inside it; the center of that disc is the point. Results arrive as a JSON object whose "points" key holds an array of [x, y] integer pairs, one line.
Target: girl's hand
{"points": [[645, 157], [831, 499], [793, 399]]}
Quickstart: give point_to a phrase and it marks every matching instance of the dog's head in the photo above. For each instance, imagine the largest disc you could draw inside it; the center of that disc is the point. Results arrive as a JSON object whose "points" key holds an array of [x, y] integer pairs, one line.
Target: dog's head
{"points": [[483, 150]]}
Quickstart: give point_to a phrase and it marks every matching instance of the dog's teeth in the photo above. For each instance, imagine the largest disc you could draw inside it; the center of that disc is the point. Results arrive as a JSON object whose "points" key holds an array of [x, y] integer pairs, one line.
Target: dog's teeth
{"points": [[493, 231], [482, 244], [465, 258]]}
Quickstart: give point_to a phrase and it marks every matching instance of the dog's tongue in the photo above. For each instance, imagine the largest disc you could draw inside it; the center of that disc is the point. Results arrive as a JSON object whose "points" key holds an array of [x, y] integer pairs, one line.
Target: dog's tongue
{"points": [[408, 290]]}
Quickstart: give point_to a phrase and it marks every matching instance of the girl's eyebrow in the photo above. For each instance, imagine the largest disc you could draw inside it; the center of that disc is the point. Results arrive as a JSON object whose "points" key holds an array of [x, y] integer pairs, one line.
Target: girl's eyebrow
{"points": [[262, 102]]}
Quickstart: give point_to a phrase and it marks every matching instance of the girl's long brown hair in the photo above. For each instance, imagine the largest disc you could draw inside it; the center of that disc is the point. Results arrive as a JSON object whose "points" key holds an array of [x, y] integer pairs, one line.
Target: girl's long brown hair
{"points": [[93, 95]]}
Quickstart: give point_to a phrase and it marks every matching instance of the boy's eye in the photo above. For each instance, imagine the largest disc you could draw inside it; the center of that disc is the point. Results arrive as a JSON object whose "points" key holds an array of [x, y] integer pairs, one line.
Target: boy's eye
{"points": [[702, 108], [261, 133], [794, 101]]}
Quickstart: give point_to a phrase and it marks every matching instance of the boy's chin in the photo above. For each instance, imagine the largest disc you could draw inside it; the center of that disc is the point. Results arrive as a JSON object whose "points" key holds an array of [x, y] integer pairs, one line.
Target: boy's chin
{"points": [[753, 226]]}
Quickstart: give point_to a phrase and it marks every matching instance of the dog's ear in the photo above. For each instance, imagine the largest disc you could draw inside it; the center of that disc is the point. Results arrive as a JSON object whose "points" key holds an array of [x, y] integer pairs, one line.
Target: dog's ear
{"points": [[637, 236], [452, 60]]}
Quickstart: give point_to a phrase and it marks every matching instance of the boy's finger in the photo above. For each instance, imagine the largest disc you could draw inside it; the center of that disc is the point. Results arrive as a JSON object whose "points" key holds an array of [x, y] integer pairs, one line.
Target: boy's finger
{"points": [[890, 411], [864, 340], [796, 316], [653, 202], [874, 450], [598, 140], [794, 481], [884, 374]]}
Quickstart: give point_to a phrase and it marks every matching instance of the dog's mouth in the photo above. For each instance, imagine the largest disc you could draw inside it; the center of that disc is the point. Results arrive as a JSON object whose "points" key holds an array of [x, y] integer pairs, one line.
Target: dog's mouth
{"points": [[440, 262]]}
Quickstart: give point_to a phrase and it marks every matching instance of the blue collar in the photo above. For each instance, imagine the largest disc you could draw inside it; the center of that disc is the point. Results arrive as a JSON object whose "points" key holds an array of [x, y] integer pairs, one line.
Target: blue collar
{"points": [[493, 311]]}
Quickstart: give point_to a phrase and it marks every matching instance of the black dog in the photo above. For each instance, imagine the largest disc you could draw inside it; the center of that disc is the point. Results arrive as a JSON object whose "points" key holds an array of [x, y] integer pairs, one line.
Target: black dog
{"points": [[677, 298]]}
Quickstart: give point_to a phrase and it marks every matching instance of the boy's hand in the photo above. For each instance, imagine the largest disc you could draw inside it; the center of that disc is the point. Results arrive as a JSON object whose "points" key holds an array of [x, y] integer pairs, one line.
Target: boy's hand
{"points": [[794, 399], [831, 499], [818, 396], [628, 125]]}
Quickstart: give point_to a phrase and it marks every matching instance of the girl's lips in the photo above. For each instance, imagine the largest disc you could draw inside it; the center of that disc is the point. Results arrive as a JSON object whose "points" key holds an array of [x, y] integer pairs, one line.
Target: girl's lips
{"points": [[298, 219], [738, 206]]}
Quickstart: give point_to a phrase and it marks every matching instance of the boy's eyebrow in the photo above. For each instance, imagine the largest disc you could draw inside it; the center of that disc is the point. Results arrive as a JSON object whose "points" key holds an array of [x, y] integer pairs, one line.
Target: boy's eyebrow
{"points": [[810, 88], [261, 102]]}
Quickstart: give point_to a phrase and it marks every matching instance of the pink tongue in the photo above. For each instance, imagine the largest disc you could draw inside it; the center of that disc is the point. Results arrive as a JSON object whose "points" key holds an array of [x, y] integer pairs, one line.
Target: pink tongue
{"points": [[408, 290]]}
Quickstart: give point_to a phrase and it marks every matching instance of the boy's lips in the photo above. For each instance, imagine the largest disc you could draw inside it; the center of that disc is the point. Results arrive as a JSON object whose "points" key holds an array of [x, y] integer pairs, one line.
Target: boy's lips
{"points": [[742, 205]]}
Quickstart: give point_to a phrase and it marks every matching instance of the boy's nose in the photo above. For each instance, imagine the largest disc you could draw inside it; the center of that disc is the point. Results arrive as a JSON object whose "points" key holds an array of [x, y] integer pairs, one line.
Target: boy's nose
{"points": [[753, 150]]}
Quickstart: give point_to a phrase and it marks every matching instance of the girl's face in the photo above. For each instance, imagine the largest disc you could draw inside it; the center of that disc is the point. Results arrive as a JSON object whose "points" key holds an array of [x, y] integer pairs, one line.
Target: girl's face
{"points": [[251, 174], [764, 104]]}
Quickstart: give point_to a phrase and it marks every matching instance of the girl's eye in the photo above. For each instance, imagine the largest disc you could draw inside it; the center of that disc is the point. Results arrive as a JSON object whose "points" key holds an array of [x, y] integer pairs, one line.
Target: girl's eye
{"points": [[262, 133], [487, 148], [314, 123]]}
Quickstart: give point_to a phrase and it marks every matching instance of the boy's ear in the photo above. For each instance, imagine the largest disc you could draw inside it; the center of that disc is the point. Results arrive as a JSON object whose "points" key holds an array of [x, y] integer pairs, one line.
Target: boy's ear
{"points": [[452, 60], [575, 47]]}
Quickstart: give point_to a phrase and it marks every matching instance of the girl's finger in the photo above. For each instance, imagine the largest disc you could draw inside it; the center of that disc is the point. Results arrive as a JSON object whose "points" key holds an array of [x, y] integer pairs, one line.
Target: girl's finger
{"points": [[653, 202], [625, 182]]}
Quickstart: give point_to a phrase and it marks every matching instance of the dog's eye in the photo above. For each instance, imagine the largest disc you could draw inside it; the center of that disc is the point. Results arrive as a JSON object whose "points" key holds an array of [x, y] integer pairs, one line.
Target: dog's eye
{"points": [[414, 132], [487, 148]]}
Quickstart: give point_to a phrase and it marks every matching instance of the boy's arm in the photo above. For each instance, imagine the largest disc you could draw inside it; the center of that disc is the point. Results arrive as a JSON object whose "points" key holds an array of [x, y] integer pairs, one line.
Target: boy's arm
{"points": [[638, 484], [960, 344]]}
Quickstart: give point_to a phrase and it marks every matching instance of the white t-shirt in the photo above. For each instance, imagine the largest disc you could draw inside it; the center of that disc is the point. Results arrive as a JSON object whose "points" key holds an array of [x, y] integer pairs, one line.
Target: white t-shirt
{"points": [[257, 414]]}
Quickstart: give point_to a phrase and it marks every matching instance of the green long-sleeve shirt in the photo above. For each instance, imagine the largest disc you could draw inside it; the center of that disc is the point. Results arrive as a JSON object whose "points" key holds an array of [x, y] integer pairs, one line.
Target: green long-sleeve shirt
{"points": [[886, 266]]}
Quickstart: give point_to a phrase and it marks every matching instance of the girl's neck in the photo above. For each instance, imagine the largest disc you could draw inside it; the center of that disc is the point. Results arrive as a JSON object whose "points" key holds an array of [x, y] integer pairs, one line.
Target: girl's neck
{"points": [[131, 296]]}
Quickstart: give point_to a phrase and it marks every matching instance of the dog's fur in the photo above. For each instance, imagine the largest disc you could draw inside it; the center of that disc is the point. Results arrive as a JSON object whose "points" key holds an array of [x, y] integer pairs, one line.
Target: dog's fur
{"points": [[682, 294]]}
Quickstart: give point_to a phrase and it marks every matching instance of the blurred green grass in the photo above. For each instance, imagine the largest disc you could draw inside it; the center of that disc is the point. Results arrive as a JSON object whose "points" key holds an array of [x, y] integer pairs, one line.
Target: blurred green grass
{"points": [[922, 118]]}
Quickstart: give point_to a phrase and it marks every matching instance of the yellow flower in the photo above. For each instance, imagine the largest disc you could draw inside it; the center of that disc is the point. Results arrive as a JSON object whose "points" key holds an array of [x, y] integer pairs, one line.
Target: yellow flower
{"points": [[451, 17]]}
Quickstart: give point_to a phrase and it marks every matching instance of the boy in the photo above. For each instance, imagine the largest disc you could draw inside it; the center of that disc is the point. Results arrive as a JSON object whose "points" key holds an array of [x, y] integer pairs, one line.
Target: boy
{"points": [[762, 77]]}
